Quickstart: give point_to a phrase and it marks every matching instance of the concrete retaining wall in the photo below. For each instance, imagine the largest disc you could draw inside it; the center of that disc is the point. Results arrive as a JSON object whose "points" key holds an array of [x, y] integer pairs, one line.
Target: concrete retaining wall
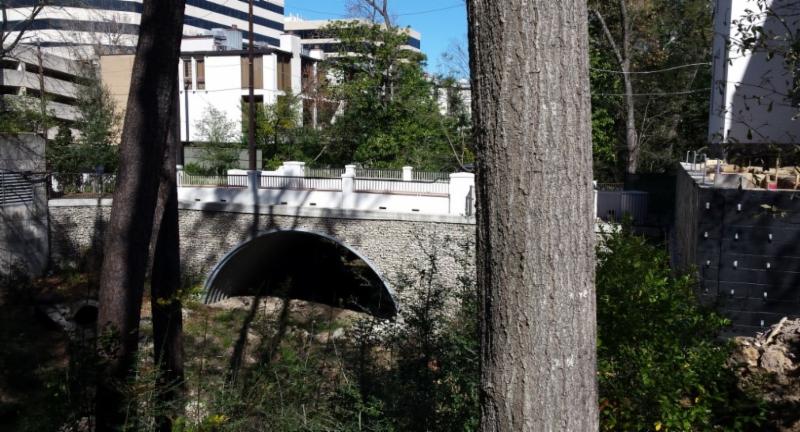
{"points": [[23, 221]]}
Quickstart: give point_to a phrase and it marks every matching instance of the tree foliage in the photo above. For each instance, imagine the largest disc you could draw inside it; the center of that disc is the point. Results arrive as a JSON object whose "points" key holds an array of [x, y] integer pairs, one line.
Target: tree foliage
{"points": [[219, 141], [95, 141], [671, 105], [20, 114], [388, 116], [660, 364], [279, 131]]}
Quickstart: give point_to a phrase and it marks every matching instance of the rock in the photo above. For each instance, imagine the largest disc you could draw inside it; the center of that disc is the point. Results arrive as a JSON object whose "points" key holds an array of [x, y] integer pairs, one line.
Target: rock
{"points": [[745, 355], [84, 424], [298, 333], [233, 303], [72, 317], [327, 336], [196, 411], [322, 338], [775, 360]]}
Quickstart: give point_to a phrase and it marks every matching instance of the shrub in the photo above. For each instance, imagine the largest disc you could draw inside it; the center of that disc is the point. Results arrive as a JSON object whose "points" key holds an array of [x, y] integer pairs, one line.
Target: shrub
{"points": [[424, 367], [660, 364]]}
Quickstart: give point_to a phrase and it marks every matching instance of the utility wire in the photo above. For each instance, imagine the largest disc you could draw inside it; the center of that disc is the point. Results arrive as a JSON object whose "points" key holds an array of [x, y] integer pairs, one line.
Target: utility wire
{"points": [[431, 10], [320, 12], [655, 94], [652, 71], [422, 12]]}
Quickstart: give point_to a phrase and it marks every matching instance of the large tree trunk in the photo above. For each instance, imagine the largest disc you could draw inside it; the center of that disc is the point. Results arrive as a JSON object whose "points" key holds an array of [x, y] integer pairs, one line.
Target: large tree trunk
{"points": [[531, 109], [165, 287], [146, 131]]}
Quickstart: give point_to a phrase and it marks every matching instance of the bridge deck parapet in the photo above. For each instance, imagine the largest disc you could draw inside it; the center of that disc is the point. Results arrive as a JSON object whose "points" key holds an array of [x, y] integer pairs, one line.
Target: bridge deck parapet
{"points": [[395, 192]]}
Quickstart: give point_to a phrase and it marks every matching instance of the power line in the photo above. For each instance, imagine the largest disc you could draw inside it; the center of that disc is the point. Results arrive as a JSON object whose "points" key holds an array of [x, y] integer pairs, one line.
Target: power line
{"points": [[656, 94], [431, 10], [422, 12], [320, 12], [652, 71]]}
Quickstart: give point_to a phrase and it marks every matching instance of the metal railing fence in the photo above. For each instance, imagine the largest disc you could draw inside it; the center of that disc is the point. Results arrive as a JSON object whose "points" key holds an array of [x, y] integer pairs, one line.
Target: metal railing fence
{"points": [[81, 184], [387, 186], [400, 187], [364, 173], [324, 172], [431, 176], [231, 180], [301, 183], [610, 187]]}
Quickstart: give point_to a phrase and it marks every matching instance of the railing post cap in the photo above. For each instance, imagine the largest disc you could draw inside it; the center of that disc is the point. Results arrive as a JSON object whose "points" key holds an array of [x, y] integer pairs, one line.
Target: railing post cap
{"points": [[179, 167]]}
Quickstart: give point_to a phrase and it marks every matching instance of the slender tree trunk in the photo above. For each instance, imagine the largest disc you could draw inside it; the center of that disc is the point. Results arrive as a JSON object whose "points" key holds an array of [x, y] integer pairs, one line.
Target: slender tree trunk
{"points": [[146, 131], [531, 107], [624, 58], [631, 133], [166, 280]]}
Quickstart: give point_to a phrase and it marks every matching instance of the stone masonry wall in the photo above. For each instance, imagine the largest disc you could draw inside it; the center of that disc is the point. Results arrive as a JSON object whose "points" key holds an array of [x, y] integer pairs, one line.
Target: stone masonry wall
{"points": [[77, 232], [392, 246]]}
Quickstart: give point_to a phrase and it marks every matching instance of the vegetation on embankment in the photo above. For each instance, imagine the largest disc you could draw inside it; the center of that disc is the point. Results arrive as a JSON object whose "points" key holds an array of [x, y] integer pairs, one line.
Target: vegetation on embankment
{"points": [[272, 364]]}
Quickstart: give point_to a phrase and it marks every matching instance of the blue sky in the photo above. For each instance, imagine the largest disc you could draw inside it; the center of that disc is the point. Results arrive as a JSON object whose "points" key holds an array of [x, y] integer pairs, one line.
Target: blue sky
{"points": [[440, 21]]}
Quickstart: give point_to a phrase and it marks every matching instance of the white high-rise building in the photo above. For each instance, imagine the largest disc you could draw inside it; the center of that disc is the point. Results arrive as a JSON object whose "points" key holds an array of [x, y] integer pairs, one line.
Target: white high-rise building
{"points": [[315, 35], [83, 28]]}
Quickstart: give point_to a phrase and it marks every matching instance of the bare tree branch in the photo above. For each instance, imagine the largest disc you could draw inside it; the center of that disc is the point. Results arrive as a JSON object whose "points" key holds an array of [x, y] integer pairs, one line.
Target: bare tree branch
{"points": [[459, 160], [19, 28], [624, 59], [455, 60], [373, 10]]}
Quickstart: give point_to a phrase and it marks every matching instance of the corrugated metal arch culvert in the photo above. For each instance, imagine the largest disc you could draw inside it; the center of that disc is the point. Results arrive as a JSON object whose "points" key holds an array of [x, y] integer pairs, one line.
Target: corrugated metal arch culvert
{"points": [[224, 281]]}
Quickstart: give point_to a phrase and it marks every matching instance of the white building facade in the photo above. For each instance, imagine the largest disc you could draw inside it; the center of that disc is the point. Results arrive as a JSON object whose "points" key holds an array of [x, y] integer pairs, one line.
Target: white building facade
{"points": [[751, 96], [219, 79], [78, 28]]}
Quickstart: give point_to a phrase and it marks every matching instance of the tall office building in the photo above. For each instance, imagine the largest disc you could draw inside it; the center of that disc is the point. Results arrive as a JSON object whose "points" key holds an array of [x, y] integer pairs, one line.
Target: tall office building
{"points": [[80, 28], [315, 35]]}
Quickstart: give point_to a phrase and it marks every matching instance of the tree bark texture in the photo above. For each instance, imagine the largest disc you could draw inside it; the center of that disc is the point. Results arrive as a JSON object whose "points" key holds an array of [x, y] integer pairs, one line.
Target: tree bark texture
{"points": [[165, 287], [531, 109], [144, 136]]}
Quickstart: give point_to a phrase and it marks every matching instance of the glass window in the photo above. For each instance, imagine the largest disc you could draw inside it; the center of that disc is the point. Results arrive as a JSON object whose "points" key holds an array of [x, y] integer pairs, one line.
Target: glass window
{"points": [[201, 74], [187, 74], [258, 72], [284, 72]]}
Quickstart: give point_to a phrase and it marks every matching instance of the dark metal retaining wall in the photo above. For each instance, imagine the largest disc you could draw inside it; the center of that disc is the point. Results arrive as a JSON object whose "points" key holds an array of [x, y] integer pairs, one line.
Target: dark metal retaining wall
{"points": [[745, 246]]}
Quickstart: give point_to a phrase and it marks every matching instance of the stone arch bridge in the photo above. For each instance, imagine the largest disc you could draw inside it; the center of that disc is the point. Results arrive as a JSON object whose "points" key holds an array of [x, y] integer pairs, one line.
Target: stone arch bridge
{"points": [[239, 248]]}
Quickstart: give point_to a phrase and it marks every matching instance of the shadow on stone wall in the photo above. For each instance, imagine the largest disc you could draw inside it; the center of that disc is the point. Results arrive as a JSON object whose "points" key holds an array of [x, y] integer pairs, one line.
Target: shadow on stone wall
{"points": [[382, 247], [77, 234], [23, 204]]}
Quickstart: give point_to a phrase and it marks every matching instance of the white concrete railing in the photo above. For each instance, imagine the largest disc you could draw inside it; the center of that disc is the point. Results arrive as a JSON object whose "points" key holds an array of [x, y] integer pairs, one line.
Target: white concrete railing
{"points": [[289, 186]]}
